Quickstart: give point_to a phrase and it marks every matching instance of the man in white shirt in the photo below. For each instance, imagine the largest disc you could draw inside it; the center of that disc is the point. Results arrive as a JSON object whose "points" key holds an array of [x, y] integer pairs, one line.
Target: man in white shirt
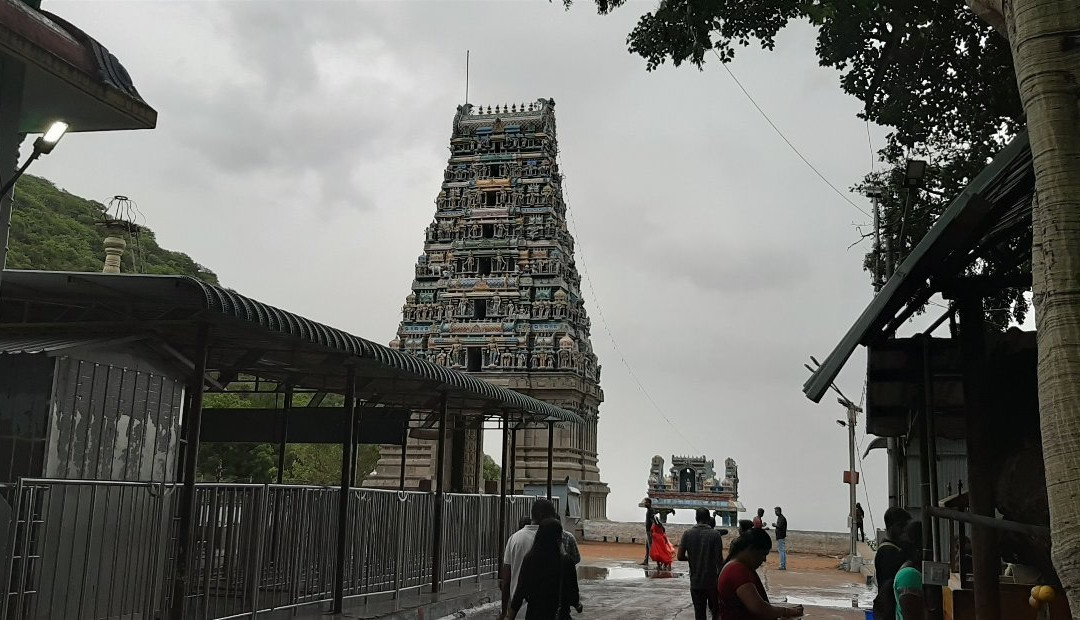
{"points": [[521, 543]]}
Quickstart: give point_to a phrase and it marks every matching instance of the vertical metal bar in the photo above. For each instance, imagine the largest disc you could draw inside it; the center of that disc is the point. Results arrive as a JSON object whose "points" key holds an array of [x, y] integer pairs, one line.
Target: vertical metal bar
{"points": [[931, 447], [404, 455], [186, 525], [985, 557], [437, 529], [550, 455], [349, 414], [513, 458], [257, 561], [502, 487], [284, 430]]}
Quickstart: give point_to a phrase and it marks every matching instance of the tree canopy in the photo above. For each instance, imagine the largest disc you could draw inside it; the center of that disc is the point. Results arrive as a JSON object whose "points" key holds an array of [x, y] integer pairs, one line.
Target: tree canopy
{"points": [[940, 79]]}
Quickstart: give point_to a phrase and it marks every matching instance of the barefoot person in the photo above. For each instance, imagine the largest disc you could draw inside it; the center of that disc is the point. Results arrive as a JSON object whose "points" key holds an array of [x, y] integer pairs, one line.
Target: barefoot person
{"points": [[781, 537], [703, 547], [741, 594], [649, 514], [548, 578], [519, 545]]}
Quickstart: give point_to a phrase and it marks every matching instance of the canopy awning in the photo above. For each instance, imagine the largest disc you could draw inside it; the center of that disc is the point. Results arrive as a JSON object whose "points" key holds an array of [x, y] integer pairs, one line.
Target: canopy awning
{"points": [[69, 75], [993, 207], [248, 337]]}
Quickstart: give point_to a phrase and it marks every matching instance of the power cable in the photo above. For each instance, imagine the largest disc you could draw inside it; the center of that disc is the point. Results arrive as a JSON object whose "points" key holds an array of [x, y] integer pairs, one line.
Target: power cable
{"points": [[580, 254], [785, 138]]}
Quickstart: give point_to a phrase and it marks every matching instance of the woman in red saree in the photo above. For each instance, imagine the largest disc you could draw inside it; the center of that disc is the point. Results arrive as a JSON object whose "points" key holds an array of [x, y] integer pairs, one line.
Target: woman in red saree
{"points": [[662, 551]]}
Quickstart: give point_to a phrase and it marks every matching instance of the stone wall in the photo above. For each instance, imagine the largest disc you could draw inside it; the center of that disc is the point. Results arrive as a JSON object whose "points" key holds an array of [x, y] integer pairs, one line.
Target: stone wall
{"points": [[821, 543]]}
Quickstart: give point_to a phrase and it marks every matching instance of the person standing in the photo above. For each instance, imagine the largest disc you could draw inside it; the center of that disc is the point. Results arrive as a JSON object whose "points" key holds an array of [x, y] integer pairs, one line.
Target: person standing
{"points": [[649, 514], [889, 558], [703, 548], [548, 578], [741, 593], [781, 537], [908, 583], [759, 519], [859, 521], [521, 542]]}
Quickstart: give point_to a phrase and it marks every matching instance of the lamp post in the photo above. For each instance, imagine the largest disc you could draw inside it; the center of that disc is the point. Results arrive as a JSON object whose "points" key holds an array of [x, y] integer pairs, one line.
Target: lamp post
{"points": [[854, 561], [42, 146]]}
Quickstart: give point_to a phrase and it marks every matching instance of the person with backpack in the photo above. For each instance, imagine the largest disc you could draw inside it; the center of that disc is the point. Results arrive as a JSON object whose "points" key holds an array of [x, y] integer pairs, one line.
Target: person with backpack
{"points": [[891, 555]]}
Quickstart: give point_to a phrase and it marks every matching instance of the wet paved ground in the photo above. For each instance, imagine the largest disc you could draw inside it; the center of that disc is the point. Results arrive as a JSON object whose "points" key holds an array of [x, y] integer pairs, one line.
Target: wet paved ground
{"points": [[613, 587]]}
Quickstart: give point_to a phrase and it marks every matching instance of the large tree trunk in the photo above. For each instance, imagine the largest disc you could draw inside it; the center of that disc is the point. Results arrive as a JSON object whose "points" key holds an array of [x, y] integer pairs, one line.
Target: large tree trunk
{"points": [[1045, 39]]}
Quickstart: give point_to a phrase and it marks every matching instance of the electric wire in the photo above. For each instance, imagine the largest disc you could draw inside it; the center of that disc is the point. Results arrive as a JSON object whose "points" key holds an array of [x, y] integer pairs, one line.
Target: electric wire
{"points": [[580, 256], [783, 137]]}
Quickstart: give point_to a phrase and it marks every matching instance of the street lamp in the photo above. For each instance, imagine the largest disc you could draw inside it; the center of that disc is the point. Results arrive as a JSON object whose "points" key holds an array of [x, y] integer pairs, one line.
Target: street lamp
{"points": [[42, 146], [914, 173]]}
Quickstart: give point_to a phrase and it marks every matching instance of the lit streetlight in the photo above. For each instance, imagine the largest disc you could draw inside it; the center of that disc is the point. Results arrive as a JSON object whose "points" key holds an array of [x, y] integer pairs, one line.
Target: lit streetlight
{"points": [[42, 146]]}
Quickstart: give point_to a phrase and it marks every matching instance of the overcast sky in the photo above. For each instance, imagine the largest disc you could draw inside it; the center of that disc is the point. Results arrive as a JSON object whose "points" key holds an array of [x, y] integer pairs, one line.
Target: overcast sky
{"points": [[300, 147]]}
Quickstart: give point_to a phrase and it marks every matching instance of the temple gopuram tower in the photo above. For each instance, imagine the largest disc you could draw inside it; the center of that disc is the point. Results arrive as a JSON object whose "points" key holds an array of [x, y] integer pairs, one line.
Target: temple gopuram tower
{"points": [[497, 294]]}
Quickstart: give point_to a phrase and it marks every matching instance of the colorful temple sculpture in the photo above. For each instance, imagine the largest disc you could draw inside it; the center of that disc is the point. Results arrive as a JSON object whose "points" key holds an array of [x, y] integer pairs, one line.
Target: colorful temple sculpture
{"points": [[692, 483], [497, 294]]}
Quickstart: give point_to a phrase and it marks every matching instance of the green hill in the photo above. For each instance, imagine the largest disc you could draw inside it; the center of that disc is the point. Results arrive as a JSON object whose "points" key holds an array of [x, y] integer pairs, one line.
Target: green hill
{"points": [[53, 230]]}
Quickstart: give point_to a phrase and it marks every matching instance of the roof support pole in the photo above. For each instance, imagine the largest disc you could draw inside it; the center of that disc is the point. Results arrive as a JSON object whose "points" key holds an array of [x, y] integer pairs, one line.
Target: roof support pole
{"points": [[928, 476], [502, 485], [349, 423], [283, 426], [404, 456], [551, 455], [185, 531], [440, 470], [985, 556], [513, 459]]}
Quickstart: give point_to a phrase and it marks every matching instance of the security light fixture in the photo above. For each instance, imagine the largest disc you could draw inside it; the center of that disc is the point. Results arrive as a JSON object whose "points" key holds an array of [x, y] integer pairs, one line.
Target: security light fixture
{"points": [[914, 174], [42, 146], [46, 143]]}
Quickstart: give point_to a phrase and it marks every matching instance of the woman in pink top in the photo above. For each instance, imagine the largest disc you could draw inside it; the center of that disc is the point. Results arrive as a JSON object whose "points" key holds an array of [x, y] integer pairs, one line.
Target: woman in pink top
{"points": [[742, 597]]}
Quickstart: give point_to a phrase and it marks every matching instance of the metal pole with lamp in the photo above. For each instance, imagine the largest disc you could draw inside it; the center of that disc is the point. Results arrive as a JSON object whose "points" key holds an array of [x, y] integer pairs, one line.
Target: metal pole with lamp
{"points": [[854, 561], [42, 146]]}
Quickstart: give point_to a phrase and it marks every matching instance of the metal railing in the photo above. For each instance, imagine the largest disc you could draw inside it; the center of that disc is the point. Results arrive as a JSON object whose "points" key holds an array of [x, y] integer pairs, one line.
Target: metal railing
{"points": [[97, 549]]}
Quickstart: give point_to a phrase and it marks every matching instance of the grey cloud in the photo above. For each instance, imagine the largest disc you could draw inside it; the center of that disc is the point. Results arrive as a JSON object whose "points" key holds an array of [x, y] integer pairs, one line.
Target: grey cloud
{"points": [[301, 145]]}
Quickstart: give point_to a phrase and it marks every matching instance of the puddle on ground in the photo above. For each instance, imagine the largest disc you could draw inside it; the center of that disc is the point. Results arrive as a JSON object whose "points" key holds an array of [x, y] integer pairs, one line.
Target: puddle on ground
{"points": [[861, 598], [623, 573]]}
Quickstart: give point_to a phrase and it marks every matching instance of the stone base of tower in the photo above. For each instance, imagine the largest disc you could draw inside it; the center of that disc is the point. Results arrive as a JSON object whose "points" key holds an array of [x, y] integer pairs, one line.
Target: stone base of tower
{"points": [[462, 469], [594, 500]]}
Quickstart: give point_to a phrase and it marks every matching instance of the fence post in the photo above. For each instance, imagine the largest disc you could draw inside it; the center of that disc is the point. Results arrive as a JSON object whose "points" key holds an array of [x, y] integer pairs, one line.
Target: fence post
{"points": [[440, 466], [399, 555], [186, 525], [257, 557], [346, 479]]}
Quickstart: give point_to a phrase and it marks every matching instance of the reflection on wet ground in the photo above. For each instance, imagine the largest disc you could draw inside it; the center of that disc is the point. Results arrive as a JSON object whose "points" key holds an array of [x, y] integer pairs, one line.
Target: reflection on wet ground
{"points": [[621, 573], [820, 590]]}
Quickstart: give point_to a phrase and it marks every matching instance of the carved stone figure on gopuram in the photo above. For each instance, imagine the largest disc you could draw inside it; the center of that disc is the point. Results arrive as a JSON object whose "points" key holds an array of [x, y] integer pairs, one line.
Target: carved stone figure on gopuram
{"points": [[692, 483], [497, 294]]}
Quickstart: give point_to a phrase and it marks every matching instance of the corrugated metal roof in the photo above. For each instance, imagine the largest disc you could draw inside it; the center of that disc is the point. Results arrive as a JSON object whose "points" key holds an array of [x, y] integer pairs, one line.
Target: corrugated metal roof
{"points": [[185, 291], [46, 344]]}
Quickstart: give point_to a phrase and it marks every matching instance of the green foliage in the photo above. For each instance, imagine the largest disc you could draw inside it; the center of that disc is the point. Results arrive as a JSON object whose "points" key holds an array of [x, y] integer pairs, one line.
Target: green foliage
{"points": [[930, 70], [53, 230], [491, 470]]}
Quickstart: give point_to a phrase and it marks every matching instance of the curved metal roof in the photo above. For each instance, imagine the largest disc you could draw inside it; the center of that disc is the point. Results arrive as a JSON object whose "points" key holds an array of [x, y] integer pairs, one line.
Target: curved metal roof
{"points": [[186, 291]]}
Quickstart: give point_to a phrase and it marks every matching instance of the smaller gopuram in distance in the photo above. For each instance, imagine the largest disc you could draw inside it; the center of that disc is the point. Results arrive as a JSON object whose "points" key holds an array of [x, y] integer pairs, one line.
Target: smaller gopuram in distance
{"points": [[692, 483]]}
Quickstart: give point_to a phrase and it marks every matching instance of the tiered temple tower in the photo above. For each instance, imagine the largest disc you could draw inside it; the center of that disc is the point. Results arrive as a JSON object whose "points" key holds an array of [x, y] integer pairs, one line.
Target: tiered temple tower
{"points": [[497, 294]]}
